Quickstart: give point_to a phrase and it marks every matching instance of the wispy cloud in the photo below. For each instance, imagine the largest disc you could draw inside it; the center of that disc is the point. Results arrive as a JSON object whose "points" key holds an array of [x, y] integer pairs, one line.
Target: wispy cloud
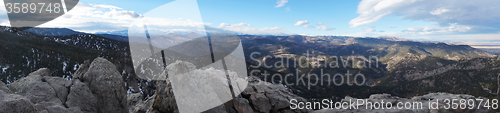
{"points": [[482, 14], [436, 29], [281, 3], [248, 29], [101, 18], [303, 23], [323, 26], [94, 18], [369, 29]]}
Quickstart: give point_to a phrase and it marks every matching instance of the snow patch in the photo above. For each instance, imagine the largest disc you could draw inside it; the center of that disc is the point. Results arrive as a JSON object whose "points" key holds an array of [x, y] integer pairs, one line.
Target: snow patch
{"points": [[64, 65], [4, 68]]}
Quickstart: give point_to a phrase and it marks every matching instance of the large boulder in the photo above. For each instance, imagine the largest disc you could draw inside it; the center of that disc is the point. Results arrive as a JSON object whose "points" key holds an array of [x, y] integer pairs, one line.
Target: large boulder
{"points": [[60, 85], [136, 103], [35, 87], [261, 102], [242, 106], [23, 85], [81, 96], [13, 103], [270, 98], [164, 99], [107, 85]]}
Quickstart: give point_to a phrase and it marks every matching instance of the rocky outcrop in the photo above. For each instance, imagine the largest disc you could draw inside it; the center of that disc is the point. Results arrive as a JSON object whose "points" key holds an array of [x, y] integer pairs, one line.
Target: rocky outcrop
{"points": [[42, 92], [136, 103], [270, 98], [35, 87], [422, 108], [13, 103], [259, 96], [81, 96], [107, 85], [164, 99], [49, 107], [97, 87], [60, 86]]}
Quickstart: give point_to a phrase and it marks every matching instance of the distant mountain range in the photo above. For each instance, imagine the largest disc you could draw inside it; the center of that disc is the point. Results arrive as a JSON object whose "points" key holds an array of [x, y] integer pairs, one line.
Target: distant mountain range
{"points": [[159, 32], [52, 31], [66, 31], [402, 62]]}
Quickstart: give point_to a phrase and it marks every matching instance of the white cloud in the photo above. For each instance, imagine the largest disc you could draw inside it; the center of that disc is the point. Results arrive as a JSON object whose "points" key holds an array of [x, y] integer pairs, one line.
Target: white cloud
{"points": [[100, 18], [105, 6], [248, 29], [322, 26], [120, 14], [224, 25], [434, 32], [304, 23], [94, 18], [484, 13], [439, 11], [375, 34], [436, 29], [281, 3], [369, 29]]}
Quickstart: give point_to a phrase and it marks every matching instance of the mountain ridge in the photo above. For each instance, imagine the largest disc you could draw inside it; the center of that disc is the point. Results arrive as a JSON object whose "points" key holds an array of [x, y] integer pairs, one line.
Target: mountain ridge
{"points": [[58, 53]]}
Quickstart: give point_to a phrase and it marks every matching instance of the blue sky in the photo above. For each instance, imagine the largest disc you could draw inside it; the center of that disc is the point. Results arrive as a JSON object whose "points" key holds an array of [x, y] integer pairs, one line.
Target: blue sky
{"points": [[444, 20]]}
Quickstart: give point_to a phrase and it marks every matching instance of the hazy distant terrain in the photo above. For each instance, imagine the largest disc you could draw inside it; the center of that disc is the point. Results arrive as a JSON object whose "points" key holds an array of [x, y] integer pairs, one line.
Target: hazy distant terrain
{"points": [[494, 49]]}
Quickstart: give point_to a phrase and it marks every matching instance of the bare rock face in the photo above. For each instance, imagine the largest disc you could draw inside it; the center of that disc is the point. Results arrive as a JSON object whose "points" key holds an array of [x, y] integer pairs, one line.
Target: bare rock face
{"points": [[60, 109], [243, 106], [49, 107], [60, 85], [13, 103], [270, 98], [260, 97], [96, 88], [25, 84], [35, 87], [164, 99], [261, 102], [107, 85], [136, 103], [45, 93], [81, 96]]}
